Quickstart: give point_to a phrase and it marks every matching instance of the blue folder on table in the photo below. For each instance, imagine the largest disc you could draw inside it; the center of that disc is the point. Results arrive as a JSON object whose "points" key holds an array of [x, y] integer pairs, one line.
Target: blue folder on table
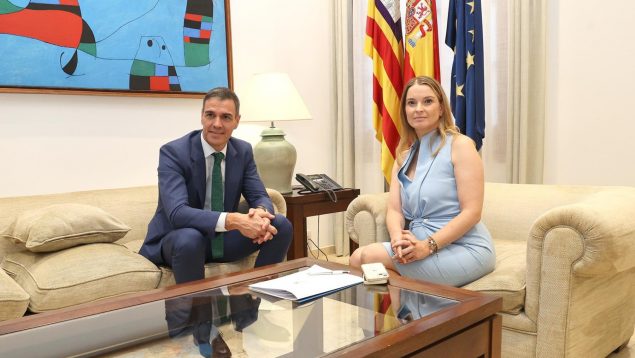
{"points": [[307, 285]]}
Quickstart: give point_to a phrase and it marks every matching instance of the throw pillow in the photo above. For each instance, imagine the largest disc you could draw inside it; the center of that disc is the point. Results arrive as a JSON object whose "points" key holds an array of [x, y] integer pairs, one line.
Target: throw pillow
{"points": [[61, 226]]}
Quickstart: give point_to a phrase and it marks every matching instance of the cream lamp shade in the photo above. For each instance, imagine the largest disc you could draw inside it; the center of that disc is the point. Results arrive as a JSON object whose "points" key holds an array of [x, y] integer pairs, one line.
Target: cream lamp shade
{"points": [[272, 97]]}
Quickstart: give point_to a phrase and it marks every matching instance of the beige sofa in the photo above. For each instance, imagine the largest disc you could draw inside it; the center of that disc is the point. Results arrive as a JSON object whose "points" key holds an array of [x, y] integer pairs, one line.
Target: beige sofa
{"points": [[65, 276], [565, 264]]}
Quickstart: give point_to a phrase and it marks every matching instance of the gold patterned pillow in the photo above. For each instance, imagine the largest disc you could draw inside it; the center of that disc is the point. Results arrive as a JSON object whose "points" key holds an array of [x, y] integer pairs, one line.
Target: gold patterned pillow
{"points": [[61, 226]]}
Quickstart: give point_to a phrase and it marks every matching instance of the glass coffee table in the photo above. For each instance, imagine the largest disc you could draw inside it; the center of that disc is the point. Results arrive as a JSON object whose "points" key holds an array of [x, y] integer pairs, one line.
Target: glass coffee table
{"points": [[402, 318]]}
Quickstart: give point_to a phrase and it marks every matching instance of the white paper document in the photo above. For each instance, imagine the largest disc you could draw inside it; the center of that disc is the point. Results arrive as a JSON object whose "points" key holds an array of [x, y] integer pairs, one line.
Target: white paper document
{"points": [[305, 285]]}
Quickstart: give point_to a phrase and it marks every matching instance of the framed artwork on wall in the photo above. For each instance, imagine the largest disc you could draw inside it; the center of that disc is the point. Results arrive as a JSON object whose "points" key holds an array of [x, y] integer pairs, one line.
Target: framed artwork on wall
{"points": [[170, 48]]}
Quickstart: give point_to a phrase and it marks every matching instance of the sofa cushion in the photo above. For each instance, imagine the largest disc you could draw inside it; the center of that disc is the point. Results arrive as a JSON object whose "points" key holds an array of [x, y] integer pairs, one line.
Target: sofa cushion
{"points": [[508, 280], [13, 299], [80, 274], [211, 268], [61, 226]]}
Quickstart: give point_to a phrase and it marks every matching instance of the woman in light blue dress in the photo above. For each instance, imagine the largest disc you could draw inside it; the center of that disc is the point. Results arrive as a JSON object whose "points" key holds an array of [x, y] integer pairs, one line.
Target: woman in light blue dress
{"points": [[436, 197]]}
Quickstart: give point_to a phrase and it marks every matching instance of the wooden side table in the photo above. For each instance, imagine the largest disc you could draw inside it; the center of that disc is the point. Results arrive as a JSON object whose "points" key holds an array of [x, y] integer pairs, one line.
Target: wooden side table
{"points": [[301, 206]]}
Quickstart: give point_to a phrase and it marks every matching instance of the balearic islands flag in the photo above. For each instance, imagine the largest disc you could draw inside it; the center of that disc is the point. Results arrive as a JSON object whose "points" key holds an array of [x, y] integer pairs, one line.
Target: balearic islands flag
{"points": [[422, 40], [465, 37], [384, 45]]}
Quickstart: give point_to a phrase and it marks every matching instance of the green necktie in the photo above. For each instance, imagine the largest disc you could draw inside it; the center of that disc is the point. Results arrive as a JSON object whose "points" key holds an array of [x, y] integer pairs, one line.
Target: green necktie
{"points": [[217, 202]]}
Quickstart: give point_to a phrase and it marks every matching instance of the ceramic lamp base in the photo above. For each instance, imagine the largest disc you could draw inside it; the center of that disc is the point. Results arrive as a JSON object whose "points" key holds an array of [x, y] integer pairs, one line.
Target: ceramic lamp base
{"points": [[275, 159]]}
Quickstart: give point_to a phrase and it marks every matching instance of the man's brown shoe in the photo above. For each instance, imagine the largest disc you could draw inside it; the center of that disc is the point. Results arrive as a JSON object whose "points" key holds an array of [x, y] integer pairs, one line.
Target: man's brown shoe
{"points": [[220, 348]]}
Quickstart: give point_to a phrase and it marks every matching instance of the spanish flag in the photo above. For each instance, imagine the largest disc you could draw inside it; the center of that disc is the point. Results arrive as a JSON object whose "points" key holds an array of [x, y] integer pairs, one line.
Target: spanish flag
{"points": [[422, 49], [384, 45]]}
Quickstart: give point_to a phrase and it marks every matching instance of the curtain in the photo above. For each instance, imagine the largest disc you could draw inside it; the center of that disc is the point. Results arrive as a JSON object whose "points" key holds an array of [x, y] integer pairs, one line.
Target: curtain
{"points": [[358, 154], [526, 97], [515, 55], [344, 95], [368, 174]]}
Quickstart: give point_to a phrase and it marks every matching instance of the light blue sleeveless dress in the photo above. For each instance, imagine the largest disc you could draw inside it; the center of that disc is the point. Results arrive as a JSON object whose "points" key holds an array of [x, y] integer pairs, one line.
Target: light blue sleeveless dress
{"points": [[429, 202]]}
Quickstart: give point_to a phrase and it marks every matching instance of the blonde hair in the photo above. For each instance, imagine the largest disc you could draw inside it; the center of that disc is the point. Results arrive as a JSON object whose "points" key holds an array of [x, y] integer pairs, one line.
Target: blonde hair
{"points": [[446, 122]]}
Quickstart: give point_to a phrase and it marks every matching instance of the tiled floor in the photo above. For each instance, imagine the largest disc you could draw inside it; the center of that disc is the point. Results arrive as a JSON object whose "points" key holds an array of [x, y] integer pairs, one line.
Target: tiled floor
{"points": [[628, 352]]}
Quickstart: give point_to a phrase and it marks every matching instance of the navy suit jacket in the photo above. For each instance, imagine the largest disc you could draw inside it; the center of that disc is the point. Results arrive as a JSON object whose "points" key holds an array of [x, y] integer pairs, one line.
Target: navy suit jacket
{"points": [[182, 189]]}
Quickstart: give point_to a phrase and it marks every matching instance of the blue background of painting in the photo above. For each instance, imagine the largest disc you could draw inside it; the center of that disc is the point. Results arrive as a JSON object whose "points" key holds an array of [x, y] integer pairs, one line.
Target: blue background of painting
{"points": [[121, 29]]}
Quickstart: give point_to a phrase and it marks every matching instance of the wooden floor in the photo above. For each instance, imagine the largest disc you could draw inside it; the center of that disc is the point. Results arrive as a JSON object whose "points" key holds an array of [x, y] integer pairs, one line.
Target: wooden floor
{"points": [[628, 352]]}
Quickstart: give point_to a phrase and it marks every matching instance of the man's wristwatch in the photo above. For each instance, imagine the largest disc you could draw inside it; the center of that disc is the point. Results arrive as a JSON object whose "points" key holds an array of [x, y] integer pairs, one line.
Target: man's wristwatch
{"points": [[262, 207]]}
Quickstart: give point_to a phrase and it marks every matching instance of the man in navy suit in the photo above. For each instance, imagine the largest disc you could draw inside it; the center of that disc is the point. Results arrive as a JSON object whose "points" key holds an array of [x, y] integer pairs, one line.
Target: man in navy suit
{"points": [[180, 233]]}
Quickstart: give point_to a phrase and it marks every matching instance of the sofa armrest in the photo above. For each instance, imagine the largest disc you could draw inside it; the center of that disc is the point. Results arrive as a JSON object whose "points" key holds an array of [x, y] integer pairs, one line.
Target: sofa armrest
{"points": [[605, 223], [581, 266], [279, 204], [365, 219]]}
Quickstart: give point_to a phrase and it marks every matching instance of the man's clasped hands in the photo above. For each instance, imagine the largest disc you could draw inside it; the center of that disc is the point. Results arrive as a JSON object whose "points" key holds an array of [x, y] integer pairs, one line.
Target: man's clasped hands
{"points": [[256, 224]]}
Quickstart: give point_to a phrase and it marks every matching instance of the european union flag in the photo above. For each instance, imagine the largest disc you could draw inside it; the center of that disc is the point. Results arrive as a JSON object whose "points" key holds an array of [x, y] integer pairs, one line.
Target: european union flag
{"points": [[465, 36]]}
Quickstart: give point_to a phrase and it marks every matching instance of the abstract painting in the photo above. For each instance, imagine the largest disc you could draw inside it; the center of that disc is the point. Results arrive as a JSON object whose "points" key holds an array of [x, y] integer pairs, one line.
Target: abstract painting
{"points": [[142, 46]]}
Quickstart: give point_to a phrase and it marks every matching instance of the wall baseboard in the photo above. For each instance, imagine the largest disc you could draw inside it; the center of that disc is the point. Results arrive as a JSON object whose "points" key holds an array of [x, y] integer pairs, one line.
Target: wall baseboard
{"points": [[329, 250], [330, 255]]}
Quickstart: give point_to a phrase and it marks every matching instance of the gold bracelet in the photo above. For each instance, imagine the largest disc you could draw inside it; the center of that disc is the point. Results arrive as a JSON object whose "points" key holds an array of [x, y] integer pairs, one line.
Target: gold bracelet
{"points": [[432, 245]]}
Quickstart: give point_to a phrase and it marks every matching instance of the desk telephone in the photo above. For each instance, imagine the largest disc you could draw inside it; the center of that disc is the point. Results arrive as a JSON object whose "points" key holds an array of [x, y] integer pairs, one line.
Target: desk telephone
{"points": [[319, 182]]}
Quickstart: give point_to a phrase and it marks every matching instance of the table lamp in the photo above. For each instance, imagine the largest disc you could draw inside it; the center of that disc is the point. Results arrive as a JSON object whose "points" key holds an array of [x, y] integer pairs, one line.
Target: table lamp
{"points": [[272, 97]]}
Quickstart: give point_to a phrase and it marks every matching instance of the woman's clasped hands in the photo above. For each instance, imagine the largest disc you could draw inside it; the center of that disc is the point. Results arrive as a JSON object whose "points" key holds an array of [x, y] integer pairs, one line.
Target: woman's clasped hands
{"points": [[407, 248]]}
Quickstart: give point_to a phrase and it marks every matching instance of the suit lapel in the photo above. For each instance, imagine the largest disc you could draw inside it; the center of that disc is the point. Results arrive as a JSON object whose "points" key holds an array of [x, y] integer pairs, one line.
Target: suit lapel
{"points": [[198, 168], [231, 175]]}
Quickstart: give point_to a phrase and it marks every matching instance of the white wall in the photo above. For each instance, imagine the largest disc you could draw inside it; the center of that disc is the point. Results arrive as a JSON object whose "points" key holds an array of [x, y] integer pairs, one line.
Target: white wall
{"points": [[56, 143], [589, 119], [60, 143], [296, 38]]}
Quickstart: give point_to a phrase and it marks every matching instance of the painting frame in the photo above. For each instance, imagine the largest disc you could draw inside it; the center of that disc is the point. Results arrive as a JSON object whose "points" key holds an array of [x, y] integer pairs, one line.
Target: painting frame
{"points": [[223, 52]]}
